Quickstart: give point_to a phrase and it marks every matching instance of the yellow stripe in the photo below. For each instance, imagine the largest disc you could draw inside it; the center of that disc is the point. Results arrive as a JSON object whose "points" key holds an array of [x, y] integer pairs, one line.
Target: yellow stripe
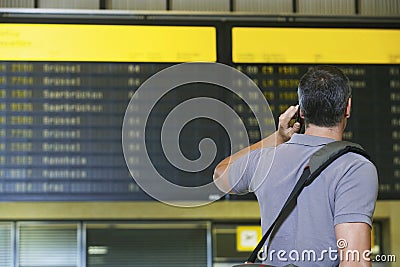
{"points": [[110, 43], [303, 45]]}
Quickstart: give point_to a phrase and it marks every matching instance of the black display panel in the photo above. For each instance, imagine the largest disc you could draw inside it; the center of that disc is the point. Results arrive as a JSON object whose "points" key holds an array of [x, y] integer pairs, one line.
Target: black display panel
{"points": [[374, 119], [60, 134]]}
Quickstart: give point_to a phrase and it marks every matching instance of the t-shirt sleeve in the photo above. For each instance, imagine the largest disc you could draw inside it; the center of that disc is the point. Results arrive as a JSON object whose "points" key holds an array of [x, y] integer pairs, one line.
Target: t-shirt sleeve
{"points": [[242, 170], [356, 194]]}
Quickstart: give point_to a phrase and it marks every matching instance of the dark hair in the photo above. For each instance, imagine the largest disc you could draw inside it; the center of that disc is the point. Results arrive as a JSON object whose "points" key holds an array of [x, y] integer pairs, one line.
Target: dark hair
{"points": [[323, 95]]}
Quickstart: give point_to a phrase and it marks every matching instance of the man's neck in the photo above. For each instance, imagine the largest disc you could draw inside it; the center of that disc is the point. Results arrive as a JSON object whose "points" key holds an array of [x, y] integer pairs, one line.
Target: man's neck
{"points": [[335, 132]]}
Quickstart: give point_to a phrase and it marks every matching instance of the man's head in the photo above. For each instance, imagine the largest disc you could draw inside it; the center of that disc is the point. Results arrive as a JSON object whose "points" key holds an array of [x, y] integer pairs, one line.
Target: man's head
{"points": [[324, 93]]}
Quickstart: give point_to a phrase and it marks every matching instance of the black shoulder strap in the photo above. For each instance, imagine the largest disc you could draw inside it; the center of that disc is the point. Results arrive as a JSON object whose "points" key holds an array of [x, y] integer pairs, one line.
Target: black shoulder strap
{"points": [[318, 162], [329, 153]]}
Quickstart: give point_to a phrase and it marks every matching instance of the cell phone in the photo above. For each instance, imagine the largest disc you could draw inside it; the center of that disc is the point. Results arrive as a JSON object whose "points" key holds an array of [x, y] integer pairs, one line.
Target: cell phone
{"points": [[300, 120]]}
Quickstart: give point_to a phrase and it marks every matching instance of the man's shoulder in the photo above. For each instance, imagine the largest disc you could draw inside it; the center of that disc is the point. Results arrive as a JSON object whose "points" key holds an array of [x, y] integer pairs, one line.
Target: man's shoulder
{"points": [[352, 168], [355, 159]]}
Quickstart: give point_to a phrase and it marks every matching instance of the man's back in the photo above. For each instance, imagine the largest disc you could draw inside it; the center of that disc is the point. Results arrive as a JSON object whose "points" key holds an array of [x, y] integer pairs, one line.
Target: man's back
{"points": [[308, 232], [337, 206]]}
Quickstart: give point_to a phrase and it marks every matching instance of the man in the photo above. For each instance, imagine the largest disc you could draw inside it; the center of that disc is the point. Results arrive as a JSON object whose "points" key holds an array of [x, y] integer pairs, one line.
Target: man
{"points": [[337, 207]]}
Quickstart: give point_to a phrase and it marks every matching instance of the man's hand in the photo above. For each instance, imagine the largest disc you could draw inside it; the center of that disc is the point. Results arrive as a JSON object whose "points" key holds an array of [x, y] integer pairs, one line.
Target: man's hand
{"points": [[285, 130]]}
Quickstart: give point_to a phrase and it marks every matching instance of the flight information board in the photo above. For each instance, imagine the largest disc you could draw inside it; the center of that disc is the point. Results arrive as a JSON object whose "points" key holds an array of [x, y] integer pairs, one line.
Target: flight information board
{"points": [[64, 89], [61, 128]]}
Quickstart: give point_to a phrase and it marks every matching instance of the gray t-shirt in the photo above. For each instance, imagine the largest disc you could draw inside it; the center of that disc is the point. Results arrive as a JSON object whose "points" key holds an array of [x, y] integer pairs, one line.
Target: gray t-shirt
{"points": [[344, 192]]}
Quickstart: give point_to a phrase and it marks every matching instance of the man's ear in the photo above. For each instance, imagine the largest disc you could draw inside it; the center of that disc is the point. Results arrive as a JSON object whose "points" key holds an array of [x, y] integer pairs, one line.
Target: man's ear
{"points": [[301, 113], [348, 108]]}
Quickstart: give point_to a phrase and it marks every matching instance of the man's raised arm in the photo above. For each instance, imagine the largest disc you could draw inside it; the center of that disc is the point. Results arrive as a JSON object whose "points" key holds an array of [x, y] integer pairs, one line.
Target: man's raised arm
{"points": [[283, 134]]}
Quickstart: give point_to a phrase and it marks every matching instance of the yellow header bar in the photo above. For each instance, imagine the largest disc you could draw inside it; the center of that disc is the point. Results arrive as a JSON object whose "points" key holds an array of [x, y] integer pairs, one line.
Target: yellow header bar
{"points": [[304, 45], [109, 43]]}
